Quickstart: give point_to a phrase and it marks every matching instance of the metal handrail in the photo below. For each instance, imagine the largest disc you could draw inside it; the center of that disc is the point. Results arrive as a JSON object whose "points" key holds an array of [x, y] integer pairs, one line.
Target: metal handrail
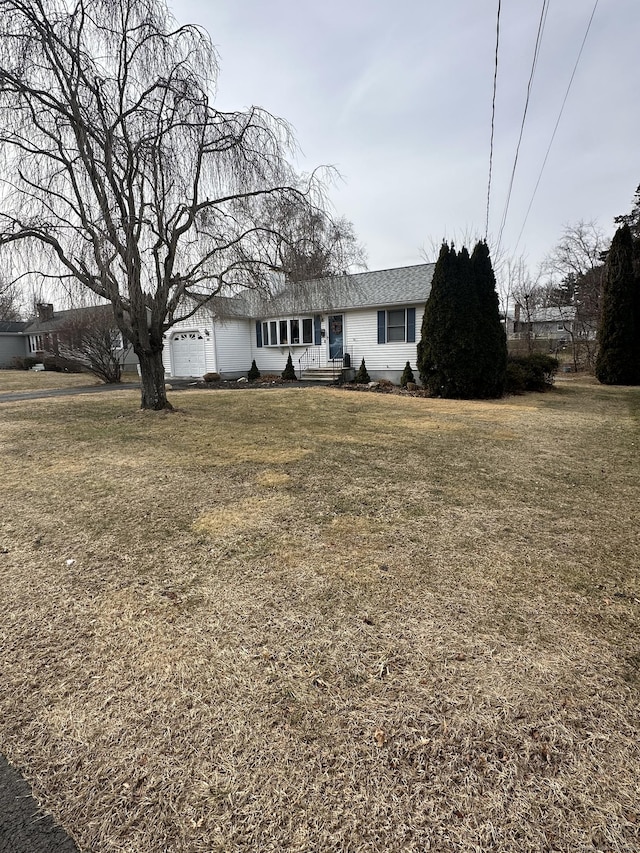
{"points": [[307, 359], [311, 358]]}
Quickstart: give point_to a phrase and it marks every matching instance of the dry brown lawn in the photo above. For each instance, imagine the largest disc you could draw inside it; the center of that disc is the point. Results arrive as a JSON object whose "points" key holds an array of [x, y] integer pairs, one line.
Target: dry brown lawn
{"points": [[315, 620], [39, 380]]}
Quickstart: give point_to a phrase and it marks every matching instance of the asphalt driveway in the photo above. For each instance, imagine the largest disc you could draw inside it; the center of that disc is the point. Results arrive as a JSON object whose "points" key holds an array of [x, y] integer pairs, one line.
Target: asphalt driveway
{"points": [[23, 827]]}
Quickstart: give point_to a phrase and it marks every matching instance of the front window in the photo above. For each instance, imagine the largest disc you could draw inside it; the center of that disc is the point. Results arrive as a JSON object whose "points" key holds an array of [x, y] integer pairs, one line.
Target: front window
{"points": [[296, 331]]}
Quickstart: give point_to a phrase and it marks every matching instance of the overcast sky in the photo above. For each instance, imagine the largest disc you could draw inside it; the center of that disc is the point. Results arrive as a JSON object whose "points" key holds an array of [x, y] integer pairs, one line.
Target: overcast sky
{"points": [[397, 95]]}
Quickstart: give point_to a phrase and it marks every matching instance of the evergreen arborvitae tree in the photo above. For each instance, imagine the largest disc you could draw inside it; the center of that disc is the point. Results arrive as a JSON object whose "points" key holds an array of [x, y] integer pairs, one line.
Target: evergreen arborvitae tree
{"points": [[618, 360], [289, 374], [254, 373], [491, 340], [462, 350], [446, 351], [437, 324], [407, 376], [362, 377]]}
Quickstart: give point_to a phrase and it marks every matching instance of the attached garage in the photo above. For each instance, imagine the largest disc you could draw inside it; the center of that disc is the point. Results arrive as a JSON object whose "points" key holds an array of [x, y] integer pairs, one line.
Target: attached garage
{"points": [[188, 354]]}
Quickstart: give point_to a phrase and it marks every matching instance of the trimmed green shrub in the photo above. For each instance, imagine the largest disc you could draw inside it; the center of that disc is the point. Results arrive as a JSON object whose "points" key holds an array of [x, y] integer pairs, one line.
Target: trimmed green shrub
{"points": [[362, 377], [289, 374], [533, 372], [20, 362], [407, 376], [254, 374], [515, 378]]}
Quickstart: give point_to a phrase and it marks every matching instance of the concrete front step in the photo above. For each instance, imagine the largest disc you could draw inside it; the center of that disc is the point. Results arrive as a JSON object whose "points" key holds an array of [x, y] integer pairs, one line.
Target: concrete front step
{"points": [[320, 375]]}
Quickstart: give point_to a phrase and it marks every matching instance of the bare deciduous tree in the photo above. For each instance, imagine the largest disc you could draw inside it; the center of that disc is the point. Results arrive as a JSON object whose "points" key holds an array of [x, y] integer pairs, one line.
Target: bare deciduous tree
{"points": [[91, 338], [9, 301], [313, 245], [575, 272], [120, 175]]}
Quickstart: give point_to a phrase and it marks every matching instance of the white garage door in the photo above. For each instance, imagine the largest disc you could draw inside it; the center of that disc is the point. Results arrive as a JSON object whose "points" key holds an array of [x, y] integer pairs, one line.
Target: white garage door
{"points": [[187, 354]]}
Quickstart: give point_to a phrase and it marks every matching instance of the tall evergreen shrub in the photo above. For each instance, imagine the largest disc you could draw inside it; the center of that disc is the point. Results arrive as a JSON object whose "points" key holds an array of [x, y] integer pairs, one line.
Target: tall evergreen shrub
{"points": [[462, 348], [491, 340], [618, 360]]}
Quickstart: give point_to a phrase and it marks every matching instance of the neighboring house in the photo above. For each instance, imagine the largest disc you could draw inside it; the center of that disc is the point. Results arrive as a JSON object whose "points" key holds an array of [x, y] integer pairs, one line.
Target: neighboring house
{"points": [[41, 337], [324, 324], [46, 334], [552, 324], [12, 342]]}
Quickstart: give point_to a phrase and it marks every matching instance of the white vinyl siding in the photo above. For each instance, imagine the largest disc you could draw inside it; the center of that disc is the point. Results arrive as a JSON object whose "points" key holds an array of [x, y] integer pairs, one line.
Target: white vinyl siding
{"points": [[361, 341], [233, 345]]}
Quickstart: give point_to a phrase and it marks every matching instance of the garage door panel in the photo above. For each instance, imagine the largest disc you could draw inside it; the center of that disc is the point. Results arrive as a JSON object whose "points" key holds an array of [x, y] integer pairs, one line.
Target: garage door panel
{"points": [[187, 354]]}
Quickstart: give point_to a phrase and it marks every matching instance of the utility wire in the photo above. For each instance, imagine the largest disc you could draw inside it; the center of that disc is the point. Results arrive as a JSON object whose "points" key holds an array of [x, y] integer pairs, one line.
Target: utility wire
{"points": [[493, 118], [553, 135], [536, 51]]}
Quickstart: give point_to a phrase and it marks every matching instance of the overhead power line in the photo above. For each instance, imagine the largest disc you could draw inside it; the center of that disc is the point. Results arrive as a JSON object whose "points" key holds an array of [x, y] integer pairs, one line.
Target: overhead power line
{"points": [[553, 135], [534, 63], [493, 118]]}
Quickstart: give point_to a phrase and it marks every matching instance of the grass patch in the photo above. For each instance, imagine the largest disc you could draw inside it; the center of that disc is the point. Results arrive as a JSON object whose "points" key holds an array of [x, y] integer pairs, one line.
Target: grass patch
{"points": [[315, 620], [42, 380]]}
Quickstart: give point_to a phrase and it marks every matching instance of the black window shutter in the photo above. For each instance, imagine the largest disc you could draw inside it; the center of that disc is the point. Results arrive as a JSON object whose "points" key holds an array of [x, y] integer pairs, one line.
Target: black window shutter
{"points": [[258, 333], [411, 325], [317, 336], [382, 327]]}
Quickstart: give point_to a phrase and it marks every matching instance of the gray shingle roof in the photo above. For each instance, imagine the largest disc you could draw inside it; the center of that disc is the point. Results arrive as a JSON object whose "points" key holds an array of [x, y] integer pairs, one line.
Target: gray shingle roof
{"points": [[12, 327], [62, 317], [379, 288]]}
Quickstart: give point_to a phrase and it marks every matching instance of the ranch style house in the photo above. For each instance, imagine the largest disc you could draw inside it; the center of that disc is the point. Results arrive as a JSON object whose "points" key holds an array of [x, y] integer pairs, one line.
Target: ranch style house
{"points": [[325, 325]]}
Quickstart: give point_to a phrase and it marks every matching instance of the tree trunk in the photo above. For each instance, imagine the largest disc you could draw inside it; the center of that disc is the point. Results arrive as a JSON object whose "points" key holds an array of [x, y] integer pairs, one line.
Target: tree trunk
{"points": [[154, 394]]}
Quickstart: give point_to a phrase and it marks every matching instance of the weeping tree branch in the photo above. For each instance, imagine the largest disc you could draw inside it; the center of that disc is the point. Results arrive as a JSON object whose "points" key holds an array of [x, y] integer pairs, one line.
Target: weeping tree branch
{"points": [[117, 170]]}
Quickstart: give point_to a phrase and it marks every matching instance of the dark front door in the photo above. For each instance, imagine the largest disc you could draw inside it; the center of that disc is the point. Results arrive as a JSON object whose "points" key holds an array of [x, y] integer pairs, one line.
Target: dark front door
{"points": [[336, 336]]}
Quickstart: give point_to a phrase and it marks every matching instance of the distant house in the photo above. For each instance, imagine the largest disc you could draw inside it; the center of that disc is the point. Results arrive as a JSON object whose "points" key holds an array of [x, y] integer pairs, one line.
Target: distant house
{"points": [[12, 342], [44, 336], [552, 325], [325, 325]]}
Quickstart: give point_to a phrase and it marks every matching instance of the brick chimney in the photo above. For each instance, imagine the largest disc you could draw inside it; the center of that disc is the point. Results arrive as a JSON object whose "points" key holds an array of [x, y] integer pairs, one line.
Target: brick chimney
{"points": [[45, 311]]}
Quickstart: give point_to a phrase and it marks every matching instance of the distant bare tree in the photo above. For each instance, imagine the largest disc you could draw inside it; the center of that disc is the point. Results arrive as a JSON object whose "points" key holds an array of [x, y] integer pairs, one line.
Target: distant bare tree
{"points": [[9, 301], [581, 248], [574, 269], [120, 175]]}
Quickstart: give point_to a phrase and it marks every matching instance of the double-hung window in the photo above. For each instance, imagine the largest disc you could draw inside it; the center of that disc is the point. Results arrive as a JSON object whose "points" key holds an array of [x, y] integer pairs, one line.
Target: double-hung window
{"points": [[397, 325]]}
